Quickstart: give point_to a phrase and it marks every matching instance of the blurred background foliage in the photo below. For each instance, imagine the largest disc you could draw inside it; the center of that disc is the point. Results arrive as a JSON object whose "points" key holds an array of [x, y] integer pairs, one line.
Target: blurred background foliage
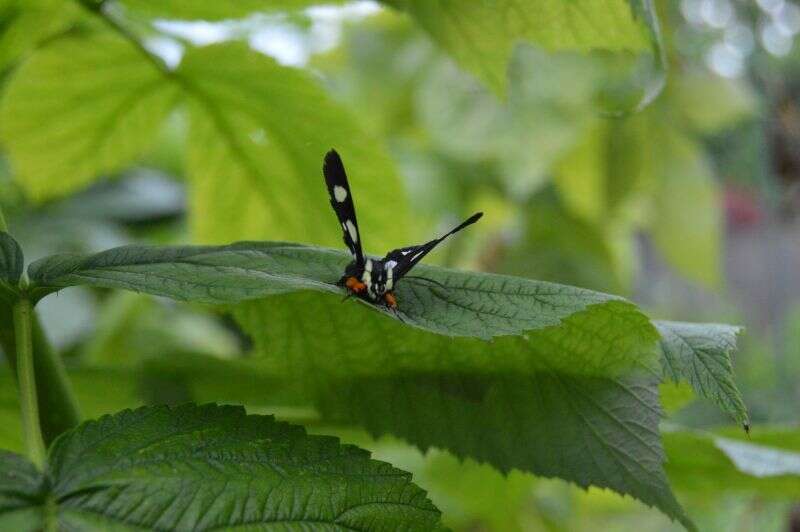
{"points": [[688, 206]]}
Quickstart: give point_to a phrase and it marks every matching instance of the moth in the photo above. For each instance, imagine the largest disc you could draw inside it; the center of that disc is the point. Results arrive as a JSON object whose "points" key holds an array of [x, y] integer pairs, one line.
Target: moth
{"points": [[372, 280]]}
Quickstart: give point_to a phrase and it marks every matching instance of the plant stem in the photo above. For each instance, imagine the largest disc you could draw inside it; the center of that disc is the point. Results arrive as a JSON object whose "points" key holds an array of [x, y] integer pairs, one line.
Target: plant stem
{"points": [[54, 391], [34, 443]]}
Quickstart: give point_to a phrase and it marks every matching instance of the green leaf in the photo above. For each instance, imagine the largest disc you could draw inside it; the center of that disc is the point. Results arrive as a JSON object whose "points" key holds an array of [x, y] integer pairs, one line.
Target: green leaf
{"points": [[700, 353], [551, 105], [216, 9], [208, 274], [561, 246], [91, 104], [734, 100], [211, 467], [553, 402], [767, 462], [463, 303], [258, 134], [20, 485], [11, 264], [26, 23], [687, 217], [482, 36]]}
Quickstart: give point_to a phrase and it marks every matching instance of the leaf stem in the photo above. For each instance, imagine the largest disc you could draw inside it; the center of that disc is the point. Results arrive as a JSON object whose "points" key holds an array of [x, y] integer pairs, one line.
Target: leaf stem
{"points": [[29, 406], [59, 406]]}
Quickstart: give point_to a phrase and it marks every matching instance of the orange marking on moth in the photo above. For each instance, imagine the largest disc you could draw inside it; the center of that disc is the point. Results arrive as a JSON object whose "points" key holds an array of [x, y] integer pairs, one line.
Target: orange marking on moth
{"points": [[390, 299], [355, 285]]}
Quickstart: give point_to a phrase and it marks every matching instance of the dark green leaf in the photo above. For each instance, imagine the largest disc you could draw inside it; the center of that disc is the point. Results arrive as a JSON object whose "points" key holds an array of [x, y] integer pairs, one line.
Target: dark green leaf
{"points": [[211, 468], [523, 423], [466, 304], [11, 264], [700, 353], [21, 488]]}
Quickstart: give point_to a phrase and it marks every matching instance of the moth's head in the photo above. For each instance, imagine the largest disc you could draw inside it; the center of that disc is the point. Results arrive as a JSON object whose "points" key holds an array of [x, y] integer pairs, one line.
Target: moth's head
{"points": [[379, 281], [377, 278]]}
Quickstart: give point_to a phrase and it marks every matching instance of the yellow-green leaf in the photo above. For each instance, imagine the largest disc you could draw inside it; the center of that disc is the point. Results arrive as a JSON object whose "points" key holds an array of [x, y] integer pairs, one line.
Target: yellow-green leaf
{"points": [[78, 109], [258, 135]]}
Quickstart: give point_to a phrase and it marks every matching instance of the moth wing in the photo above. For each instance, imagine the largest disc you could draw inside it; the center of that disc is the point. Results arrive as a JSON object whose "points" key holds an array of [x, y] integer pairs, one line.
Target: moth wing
{"points": [[342, 203], [408, 257]]}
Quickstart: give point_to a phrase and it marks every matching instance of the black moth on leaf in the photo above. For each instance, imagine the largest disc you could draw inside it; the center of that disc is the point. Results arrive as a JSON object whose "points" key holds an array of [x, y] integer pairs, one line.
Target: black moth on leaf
{"points": [[372, 280]]}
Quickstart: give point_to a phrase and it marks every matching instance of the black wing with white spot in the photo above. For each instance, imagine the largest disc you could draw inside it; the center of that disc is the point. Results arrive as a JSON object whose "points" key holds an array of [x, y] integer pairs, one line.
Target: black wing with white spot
{"points": [[342, 203], [406, 258]]}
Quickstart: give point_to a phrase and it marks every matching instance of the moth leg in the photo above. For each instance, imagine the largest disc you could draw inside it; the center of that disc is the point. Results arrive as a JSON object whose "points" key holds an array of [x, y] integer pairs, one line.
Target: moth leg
{"points": [[391, 300], [355, 285], [397, 314]]}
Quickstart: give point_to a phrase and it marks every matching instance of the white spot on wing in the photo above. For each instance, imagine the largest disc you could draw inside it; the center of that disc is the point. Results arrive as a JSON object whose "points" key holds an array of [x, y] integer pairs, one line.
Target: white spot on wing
{"points": [[351, 228], [340, 193], [404, 253], [390, 264]]}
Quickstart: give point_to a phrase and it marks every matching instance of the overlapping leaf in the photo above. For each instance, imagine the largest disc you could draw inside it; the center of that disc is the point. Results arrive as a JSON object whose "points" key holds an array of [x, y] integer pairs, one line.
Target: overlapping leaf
{"points": [[208, 468], [554, 402], [700, 354]]}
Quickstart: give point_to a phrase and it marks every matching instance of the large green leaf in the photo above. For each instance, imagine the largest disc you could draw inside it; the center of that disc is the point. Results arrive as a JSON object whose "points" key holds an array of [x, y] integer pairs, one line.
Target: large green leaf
{"points": [[554, 403], [481, 36], [11, 264], [209, 468], [79, 108], [258, 135], [701, 355]]}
